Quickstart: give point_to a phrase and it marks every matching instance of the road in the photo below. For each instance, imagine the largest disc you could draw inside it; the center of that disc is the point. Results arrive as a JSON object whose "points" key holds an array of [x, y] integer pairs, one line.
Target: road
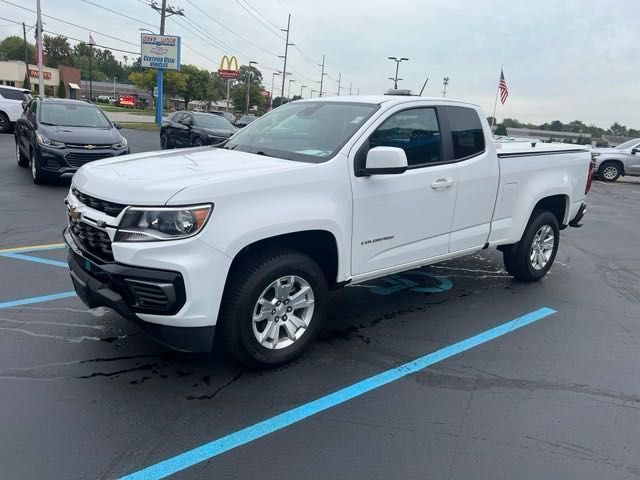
{"points": [[84, 395]]}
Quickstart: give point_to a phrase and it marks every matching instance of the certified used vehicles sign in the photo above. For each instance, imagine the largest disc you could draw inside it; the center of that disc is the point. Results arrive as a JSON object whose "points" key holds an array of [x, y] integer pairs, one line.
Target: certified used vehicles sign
{"points": [[160, 51]]}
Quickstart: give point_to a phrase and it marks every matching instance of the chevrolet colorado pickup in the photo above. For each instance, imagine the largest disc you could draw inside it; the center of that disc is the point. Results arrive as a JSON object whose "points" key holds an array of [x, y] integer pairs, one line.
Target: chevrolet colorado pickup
{"points": [[246, 238]]}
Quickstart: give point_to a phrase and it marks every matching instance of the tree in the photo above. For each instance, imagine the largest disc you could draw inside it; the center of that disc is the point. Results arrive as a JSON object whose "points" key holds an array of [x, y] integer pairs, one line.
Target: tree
{"points": [[13, 48], [57, 51], [617, 129], [239, 97], [194, 84], [107, 63], [557, 126], [245, 70], [277, 101], [62, 92], [501, 129]]}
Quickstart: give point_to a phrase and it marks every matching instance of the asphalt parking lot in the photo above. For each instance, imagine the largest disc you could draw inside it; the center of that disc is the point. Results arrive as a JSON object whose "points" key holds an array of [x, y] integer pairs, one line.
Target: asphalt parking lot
{"points": [[84, 395]]}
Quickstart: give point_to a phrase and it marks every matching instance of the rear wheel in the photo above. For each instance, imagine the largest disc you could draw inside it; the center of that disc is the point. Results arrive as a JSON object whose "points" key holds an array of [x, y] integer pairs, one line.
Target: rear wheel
{"points": [[22, 159], [609, 171], [531, 258], [165, 142], [5, 124], [273, 307]]}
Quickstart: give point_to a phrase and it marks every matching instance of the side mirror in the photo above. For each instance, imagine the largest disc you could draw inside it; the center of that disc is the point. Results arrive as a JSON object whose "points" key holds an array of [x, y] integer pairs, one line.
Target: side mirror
{"points": [[634, 151], [117, 125], [384, 161]]}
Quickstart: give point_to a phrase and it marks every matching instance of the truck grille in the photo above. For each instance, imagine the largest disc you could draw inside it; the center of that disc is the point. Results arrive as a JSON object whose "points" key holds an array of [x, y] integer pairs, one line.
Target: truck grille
{"points": [[110, 208], [92, 240], [77, 159]]}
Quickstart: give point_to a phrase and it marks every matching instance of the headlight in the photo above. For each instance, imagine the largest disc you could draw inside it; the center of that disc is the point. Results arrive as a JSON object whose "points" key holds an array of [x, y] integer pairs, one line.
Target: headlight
{"points": [[121, 144], [156, 224], [47, 142]]}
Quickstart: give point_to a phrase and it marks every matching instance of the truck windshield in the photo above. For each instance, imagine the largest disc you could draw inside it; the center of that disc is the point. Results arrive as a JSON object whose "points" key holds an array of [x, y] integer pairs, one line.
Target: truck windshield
{"points": [[629, 144], [303, 131]]}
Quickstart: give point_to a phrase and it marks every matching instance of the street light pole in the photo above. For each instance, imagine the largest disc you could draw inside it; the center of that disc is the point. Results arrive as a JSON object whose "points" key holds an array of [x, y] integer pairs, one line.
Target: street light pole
{"points": [[40, 58], [395, 79], [301, 88], [114, 86], [322, 76], [289, 89], [273, 79], [339, 82], [286, 54], [249, 75], [445, 82]]}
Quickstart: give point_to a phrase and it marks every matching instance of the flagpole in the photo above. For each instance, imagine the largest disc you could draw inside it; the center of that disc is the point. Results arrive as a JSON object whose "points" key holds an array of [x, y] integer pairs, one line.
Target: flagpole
{"points": [[90, 72], [40, 51], [495, 104]]}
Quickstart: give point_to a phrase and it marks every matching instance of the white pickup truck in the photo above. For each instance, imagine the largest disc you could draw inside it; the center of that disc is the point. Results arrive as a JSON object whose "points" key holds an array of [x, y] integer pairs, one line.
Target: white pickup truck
{"points": [[246, 238]]}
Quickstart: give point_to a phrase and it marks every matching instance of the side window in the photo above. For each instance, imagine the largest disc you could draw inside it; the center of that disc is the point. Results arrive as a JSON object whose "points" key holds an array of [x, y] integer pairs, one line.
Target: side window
{"points": [[177, 117], [416, 131], [467, 136], [33, 108]]}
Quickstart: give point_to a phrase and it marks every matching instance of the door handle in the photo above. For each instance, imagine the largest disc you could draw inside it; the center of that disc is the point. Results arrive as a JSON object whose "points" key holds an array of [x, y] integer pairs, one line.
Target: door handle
{"points": [[442, 183]]}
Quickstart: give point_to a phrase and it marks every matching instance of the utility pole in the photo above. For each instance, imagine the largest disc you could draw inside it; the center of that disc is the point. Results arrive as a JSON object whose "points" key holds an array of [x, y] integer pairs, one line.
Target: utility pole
{"points": [[249, 75], [350, 88], [40, 52], [312, 92], [339, 80], [273, 79], [286, 53], [291, 80], [322, 76], [395, 79], [445, 82], [27, 83], [301, 88], [164, 12]]}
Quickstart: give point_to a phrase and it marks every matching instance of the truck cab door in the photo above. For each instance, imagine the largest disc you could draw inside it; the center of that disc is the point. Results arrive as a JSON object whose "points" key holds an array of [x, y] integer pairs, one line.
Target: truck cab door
{"points": [[403, 218], [633, 161]]}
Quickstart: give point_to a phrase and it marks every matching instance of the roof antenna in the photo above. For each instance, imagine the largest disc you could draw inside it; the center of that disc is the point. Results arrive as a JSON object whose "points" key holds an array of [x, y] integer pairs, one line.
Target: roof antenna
{"points": [[423, 85]]}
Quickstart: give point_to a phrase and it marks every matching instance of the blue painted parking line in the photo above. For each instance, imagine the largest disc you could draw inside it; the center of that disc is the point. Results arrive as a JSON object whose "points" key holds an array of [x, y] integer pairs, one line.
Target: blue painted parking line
{"points": [[285, 419], [42, 298], [30, 258]]}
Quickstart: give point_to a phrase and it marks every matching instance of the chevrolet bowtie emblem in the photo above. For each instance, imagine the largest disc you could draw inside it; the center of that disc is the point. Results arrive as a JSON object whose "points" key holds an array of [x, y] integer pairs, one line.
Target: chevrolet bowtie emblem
{"points": [[74, 215], [89, 147]]}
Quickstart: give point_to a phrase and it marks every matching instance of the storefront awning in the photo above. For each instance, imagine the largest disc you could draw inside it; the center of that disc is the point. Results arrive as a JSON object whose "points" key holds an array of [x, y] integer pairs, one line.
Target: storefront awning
{"points": [[74, 86]]}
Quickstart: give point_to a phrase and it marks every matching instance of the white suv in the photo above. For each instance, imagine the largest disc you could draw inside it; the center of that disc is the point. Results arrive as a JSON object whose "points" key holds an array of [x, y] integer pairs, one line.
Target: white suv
{"points": [[12, 103]]}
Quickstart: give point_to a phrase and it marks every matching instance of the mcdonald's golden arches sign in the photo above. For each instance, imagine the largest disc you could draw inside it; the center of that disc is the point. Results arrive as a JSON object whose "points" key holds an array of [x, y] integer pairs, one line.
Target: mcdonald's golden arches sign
{"points": [[228, 68]]}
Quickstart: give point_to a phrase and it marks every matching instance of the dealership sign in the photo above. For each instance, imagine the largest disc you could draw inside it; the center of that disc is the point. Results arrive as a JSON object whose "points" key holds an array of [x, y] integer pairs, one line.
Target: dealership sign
{"points": [[160, 51], [228, 68]]}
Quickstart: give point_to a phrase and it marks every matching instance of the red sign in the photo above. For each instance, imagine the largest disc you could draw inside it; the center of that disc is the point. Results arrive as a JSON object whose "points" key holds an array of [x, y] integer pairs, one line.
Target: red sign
{"points": [[228, 74], [45, 75]]}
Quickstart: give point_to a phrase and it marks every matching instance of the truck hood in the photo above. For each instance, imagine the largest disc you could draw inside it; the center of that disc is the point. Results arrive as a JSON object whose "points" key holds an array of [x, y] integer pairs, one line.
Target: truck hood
{"points": [[152, 178]]}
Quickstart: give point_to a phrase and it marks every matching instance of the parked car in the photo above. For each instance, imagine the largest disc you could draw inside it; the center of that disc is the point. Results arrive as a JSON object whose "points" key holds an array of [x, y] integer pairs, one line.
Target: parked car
{"points": [[103, 99], [230, 117], [57, 136], [12, 103], [245, 120], [245, 240], [624, 159], [193, 129]]}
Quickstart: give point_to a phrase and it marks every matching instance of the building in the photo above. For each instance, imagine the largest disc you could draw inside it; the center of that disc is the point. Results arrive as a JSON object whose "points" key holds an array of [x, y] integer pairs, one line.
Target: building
{"points": [[13, 73]]}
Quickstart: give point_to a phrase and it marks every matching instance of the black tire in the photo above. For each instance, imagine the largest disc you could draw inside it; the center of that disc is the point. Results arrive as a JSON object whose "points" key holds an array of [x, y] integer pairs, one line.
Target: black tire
{"points": [[39, 177], [197, 142], [610, 171], [517, 257], [22, 159], [165, 143], [5, 124], [247, 282]]}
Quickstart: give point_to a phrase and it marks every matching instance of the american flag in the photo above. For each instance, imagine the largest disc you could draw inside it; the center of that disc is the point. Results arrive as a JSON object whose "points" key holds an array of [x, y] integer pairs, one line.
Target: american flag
{"points": [[502, 88], [92, 42]]}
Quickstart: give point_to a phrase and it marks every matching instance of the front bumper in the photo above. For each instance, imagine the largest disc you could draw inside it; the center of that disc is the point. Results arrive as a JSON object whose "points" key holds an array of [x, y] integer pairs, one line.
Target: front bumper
{"points": [[66, 161], [134, 291]]}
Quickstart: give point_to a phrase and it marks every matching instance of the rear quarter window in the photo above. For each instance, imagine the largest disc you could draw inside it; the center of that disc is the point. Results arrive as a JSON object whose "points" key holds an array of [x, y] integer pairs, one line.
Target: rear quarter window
{"points": [[467, 136], [11, 94]]}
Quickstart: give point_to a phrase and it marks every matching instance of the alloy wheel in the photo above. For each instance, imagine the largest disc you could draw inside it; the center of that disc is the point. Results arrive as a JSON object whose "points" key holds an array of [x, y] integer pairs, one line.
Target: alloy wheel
{"points": [[610, 172], [283, 312], [542, 247]]}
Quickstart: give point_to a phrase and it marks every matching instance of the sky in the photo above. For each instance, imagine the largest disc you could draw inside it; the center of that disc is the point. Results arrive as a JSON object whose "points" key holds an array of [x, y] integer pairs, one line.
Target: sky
{"points": [[563, 60]]}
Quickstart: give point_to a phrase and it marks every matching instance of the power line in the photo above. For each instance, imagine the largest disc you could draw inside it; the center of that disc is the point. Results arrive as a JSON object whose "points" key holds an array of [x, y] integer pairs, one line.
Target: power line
{"points": [[258, 19], [69, 23], [258, 12], [228, 29], [119, 13]]}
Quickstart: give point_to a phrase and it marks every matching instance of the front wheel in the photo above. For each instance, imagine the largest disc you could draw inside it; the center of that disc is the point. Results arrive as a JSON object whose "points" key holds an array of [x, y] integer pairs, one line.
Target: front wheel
{"points": [[22, 159], [273, 307], [609, 171], [531, 258], [39, 178]]}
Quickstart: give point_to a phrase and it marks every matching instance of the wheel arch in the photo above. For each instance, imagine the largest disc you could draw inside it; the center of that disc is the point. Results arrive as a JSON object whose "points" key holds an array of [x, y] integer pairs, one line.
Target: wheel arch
{"points": [[618, 161], [320, 245], [556, 204]]}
